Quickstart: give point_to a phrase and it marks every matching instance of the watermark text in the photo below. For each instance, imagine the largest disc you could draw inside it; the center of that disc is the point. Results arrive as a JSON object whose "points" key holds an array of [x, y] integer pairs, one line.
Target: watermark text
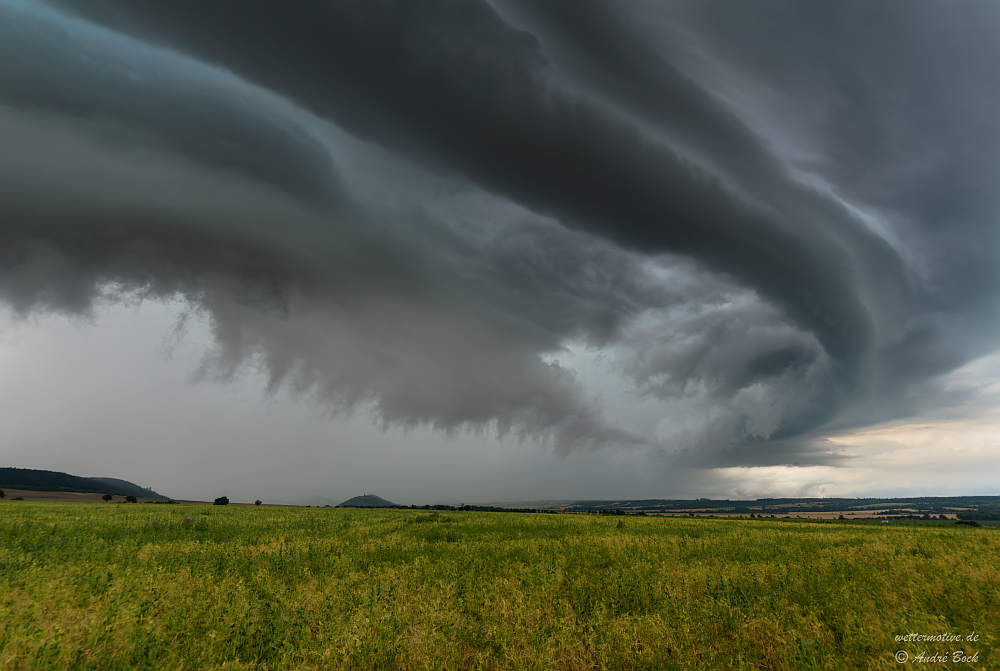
{"points": [[936, 638]]}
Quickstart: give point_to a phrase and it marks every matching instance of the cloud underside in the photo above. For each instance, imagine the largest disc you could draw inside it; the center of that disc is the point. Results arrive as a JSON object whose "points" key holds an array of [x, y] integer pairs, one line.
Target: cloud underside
{"points": [[416, 208]]}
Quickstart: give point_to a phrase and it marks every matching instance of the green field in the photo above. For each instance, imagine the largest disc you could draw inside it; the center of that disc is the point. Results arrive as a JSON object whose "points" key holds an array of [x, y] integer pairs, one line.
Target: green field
{"points": [[106, 586]]}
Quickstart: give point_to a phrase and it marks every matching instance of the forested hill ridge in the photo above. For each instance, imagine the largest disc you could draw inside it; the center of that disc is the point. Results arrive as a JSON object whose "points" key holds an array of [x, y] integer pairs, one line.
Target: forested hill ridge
{"points": [[53, 481]]}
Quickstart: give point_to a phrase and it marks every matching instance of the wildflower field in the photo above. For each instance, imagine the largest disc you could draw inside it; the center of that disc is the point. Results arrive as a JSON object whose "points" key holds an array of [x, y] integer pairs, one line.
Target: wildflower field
{"points": [[106, 586]]}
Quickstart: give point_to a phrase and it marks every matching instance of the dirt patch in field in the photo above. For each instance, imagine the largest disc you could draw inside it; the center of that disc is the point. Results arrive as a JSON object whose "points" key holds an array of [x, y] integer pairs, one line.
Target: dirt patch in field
{"points": [[80, 497]]}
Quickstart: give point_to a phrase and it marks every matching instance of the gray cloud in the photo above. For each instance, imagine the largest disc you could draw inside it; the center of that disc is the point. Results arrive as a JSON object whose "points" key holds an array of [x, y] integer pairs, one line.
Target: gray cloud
{"points": [[416, 206]]}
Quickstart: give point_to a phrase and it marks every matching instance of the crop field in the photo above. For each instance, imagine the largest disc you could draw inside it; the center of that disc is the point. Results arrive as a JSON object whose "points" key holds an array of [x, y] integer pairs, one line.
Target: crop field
{"points": [[115, 586]]}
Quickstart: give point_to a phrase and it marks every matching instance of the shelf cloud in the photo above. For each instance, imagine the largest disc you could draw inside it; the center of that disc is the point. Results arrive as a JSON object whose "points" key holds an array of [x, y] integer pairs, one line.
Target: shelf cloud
{"points": [[768, 222]]}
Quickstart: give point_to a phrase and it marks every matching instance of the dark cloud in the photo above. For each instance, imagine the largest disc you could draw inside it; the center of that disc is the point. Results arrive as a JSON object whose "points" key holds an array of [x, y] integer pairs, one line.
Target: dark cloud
{"points": [[902, 122], [770, 219], [389, 71], [110, 196]]}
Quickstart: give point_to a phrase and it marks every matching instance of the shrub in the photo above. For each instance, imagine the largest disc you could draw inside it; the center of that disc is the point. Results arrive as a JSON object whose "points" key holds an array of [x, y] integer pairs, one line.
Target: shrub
{"points": [[222, 501], [107, 497], [130, 499]]}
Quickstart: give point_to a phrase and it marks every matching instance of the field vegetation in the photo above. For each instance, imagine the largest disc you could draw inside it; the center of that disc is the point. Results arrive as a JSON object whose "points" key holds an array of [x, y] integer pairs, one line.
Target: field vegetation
{"points": [[98, 586]]}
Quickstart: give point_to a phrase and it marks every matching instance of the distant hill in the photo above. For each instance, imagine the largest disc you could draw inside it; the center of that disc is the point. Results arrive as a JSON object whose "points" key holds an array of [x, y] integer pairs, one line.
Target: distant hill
{"points": [[932, 505], [367, 501], [53, 481]]}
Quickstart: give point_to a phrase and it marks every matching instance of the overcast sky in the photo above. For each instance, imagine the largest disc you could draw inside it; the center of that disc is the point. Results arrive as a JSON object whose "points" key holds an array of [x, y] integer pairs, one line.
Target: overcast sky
{"points": [[474, 251]]}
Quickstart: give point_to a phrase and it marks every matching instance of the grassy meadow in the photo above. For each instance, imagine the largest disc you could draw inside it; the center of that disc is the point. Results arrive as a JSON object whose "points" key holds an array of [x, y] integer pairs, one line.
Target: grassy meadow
{"points": [[109, 586]]}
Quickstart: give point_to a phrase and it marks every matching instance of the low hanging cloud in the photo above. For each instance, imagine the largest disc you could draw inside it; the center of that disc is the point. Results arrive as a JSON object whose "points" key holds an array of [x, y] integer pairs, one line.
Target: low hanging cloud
{"points": [[415, 207]]}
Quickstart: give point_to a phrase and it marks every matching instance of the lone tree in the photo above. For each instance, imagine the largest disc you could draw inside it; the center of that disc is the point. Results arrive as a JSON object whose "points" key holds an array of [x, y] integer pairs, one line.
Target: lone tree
{"points": [[222, 501], [107, 497], [2, 494], [130, 499], [257, 502]]}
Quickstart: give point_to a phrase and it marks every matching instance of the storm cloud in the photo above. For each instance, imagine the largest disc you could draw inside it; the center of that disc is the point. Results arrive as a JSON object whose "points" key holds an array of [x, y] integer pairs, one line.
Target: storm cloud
{"points": [[769, 220]]}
